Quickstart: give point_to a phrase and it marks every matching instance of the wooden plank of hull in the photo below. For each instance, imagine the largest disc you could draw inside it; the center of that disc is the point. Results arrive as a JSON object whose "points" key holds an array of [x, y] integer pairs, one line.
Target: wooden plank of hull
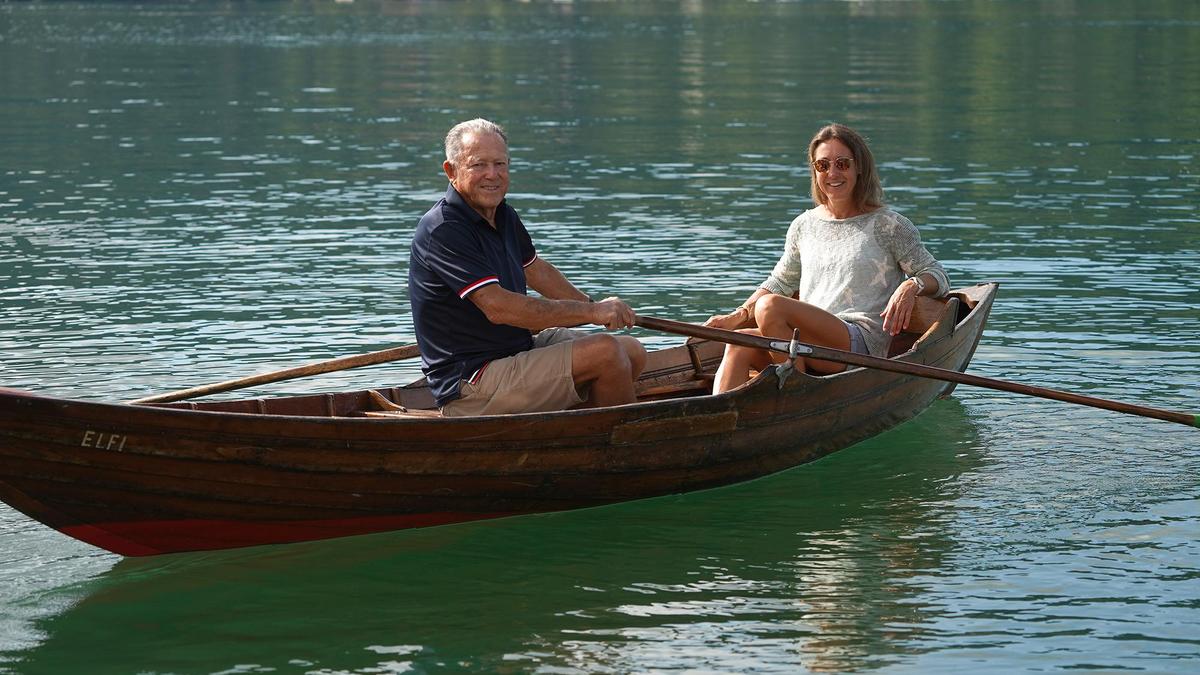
{"points": [[140, 479]]}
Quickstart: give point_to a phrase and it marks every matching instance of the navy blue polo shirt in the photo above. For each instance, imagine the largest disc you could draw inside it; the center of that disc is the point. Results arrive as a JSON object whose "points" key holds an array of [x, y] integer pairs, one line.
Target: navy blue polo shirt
{"points": [[455, 252]]}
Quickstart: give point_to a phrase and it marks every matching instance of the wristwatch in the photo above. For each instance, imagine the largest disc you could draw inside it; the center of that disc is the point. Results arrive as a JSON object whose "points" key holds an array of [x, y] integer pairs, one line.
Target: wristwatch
{"points": [[919, 282]]}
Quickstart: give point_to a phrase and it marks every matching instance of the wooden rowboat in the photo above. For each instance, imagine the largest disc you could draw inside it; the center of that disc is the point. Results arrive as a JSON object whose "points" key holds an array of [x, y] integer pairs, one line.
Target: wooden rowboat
{"points": [[160, 478]]}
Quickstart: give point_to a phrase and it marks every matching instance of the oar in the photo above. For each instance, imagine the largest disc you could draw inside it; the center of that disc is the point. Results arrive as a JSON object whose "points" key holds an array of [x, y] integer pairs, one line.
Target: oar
{"points": [[849, 358], [342, 363]]}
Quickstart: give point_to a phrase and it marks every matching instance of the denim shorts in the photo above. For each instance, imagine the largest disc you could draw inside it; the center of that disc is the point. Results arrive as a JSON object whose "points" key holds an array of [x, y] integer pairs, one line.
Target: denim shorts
{"points": [[858, 344]]}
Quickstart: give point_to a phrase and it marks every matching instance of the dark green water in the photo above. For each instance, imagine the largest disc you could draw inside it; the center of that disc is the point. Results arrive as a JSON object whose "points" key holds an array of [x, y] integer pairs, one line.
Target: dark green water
{"points": [[194, 192]]}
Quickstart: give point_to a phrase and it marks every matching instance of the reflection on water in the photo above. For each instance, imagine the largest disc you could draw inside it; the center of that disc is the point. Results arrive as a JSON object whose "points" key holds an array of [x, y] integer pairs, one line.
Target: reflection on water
{"points": [[196, 192]]}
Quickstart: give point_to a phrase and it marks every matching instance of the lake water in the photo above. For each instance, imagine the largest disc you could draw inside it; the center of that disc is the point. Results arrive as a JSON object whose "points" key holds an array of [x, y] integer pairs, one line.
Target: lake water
{"points": [[191, 192]]}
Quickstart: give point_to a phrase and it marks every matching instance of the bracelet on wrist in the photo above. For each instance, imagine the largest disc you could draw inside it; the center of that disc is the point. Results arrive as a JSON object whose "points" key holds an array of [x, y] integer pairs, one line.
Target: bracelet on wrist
{"points": [[920, 283]]}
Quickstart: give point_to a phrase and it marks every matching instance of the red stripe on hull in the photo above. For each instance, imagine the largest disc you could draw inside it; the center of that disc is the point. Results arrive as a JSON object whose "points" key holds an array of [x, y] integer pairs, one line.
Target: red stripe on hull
{"points": [[177, 536]]}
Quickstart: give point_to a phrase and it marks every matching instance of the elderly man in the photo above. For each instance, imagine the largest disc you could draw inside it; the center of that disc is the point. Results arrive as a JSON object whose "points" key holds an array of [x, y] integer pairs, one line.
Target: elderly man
{"points": [[471, 263]]}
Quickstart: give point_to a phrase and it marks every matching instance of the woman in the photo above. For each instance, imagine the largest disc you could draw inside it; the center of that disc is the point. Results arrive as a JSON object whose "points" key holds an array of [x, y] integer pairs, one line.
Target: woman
{"points": [[855, 266]]}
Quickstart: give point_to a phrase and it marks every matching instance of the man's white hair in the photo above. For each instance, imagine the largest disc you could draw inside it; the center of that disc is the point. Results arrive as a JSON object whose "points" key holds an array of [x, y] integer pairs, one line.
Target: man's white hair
{"points": [[477, 126]]}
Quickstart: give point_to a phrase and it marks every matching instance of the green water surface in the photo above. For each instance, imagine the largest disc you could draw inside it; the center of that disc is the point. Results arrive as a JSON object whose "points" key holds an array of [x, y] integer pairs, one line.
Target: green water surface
{"points": [[191, 192]]}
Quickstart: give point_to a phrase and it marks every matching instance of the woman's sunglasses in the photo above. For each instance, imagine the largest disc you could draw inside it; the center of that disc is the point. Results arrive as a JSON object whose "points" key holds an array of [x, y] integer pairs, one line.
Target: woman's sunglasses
{"points": [[842, 164]]}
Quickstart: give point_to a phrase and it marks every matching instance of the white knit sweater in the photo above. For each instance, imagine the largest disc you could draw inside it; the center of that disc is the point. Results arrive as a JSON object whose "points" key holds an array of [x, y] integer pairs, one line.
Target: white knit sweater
{"points": [[851, 267]]}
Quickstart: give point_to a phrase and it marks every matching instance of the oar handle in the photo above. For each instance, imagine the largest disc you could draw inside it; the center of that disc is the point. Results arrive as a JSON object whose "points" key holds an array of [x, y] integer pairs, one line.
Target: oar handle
{"points": [[907, 368], [341, 363]]}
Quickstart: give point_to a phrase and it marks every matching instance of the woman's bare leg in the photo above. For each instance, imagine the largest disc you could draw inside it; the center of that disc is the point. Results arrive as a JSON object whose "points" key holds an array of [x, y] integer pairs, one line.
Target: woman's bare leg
{"points": [[737, 363], [777, 316]]}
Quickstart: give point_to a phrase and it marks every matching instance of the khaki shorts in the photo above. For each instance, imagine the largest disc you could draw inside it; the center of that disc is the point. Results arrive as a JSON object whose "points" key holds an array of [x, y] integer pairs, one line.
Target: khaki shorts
{"points": [[532, 381]]}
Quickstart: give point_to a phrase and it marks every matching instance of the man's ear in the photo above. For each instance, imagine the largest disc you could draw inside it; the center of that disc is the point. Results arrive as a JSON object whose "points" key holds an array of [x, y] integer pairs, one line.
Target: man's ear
{"points": [[449, 169]]}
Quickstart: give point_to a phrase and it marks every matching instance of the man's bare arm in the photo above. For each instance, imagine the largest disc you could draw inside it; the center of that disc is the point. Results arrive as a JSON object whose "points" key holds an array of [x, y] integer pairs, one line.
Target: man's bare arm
{"points": [[502, 306], [545, 278]]}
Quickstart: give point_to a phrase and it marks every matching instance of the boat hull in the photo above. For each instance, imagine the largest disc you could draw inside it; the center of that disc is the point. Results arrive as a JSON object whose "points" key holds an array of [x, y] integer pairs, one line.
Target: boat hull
{"points": [[144, 480]]}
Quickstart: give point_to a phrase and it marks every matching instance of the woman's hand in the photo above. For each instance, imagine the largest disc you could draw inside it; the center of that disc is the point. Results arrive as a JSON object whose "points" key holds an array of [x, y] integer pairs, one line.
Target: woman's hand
{"points": [[899, 308], [734, 320]]}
